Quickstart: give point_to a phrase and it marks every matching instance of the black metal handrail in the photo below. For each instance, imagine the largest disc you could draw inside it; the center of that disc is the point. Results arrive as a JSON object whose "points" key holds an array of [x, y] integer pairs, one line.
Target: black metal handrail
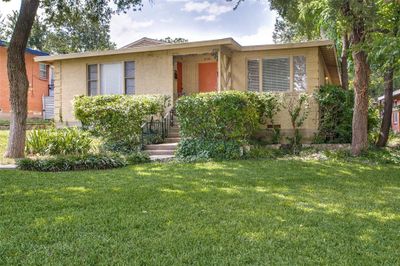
{"points": [[155, 131]]}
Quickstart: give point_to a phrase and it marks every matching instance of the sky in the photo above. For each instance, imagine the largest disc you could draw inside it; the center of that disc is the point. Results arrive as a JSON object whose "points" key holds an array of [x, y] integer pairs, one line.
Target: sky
{"points": [[195, 20]]}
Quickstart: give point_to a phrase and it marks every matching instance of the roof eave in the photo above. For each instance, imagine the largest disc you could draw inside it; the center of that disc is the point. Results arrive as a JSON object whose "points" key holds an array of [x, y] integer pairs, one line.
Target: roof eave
{"points": [[152, 48]]}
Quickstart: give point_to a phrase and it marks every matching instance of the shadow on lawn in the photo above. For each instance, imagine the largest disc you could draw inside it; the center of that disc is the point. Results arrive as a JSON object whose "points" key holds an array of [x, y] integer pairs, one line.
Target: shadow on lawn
{"points": [[290, 208]]}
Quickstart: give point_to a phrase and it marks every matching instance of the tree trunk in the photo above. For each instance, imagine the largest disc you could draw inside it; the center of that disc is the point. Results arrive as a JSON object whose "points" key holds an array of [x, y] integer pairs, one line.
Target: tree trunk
{"points": [[387, 109], [343, 62], [18, 79], [361, 80]]}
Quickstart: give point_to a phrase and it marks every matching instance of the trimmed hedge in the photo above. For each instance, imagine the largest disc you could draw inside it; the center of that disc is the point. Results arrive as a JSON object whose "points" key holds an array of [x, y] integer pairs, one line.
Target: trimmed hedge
{"points": [[72, 163], [231, 115], [218, 125], [118, 118]]}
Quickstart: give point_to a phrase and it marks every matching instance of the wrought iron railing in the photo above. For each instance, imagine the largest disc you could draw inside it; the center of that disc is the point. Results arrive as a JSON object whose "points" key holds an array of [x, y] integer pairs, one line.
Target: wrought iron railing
{"points": [[156, 130]]}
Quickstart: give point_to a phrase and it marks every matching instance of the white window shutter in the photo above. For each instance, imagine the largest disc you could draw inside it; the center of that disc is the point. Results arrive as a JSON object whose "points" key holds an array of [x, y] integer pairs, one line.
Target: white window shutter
{"points": [[276, 74], [111, 79]]}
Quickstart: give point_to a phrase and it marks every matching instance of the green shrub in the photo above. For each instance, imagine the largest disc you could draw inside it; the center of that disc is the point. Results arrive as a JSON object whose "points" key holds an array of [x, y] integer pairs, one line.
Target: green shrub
{"points": [[72, 163], [209, 149], [231, 115], [374, 122], [370, 156], [64, 141], [214, 125], [137, 158], [336, 114], [259, 152], [118, 118]]}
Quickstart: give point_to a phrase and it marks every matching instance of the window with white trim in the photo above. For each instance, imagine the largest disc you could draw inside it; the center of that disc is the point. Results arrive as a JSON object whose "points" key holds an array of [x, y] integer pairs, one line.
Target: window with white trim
{"points": [[395, 118], [42, 71], [299, 73], [276, 74], [253, 75], [111, 78]]}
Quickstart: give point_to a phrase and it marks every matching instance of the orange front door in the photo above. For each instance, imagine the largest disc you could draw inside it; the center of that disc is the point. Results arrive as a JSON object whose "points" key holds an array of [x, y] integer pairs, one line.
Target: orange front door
{"points": [[208, 73]]}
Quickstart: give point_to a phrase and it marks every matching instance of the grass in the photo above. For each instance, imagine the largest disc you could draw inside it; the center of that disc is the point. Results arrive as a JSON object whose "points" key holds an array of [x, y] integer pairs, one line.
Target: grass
{"points": [[30, 121], [214, 213], [3, 147]]}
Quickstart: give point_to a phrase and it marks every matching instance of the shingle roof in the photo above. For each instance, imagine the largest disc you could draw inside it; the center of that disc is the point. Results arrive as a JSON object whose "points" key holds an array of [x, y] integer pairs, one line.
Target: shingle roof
{"points": [[28, 50], [143, 42]]}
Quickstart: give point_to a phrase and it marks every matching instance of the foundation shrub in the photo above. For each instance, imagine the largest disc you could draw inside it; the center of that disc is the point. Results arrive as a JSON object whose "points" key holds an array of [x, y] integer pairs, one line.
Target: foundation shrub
{"points": [[231, 115], [218, 125], [117, 119], [336, 114]]}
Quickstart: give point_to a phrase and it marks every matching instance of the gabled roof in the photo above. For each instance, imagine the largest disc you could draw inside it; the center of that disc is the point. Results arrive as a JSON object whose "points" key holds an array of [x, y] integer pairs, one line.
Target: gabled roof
{"points": [[28, 50], [143, 42]]}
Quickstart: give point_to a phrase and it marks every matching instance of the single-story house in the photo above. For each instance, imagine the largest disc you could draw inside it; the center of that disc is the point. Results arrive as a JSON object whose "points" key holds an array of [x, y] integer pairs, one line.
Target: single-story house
{"points": [[396, 109], [39, 77], [152, 67]]}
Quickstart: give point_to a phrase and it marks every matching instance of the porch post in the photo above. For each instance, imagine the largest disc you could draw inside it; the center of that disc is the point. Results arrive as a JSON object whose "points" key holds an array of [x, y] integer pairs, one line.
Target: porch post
{"points": [[219, 70]]}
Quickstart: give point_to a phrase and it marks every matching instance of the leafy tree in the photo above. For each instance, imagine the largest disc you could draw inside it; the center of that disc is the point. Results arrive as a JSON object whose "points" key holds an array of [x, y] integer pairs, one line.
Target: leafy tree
{"points": [[174, 40], [56, 12], [385, 57], [286, 32], [352, 23], [71, 36]]}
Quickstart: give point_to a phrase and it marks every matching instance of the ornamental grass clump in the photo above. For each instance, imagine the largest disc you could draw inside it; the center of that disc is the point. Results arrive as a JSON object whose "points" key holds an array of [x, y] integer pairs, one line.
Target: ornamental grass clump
{"points": [[65, 141]]}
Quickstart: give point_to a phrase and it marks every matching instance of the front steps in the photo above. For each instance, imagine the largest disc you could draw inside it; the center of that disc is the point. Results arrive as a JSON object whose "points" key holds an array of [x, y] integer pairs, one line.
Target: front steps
{"points": [[166, 150]]}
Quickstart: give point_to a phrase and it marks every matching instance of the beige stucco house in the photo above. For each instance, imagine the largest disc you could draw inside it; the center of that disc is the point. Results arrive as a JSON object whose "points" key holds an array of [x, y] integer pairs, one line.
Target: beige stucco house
{"points": [[152, 67]]}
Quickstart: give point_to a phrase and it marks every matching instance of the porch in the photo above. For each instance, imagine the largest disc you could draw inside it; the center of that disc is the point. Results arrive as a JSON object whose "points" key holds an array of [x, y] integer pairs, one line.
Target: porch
{"points": [[202, 72]]}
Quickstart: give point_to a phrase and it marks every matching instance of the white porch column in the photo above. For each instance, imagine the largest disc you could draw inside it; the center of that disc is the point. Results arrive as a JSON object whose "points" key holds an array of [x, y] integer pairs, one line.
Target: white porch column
{"points": [[219, 70]]}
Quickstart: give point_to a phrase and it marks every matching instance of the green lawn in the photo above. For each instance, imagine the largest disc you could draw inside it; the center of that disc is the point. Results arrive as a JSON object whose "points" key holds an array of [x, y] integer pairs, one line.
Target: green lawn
{"points": [[3, 147], [239, 212]]}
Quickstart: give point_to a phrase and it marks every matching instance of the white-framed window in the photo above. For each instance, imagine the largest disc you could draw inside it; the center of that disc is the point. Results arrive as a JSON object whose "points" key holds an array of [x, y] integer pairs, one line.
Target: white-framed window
{"points": [[276, 74], [281, 74], [111, 78], [253, 75], [395, 118], [42, 71], [299, 73]]}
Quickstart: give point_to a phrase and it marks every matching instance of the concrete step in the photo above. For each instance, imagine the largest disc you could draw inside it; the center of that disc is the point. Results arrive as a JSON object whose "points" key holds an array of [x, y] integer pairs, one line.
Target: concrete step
{"points": [[173, 135], [161, 157], [160, 152], [173, 130], [172, 140], [162, 146]]}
